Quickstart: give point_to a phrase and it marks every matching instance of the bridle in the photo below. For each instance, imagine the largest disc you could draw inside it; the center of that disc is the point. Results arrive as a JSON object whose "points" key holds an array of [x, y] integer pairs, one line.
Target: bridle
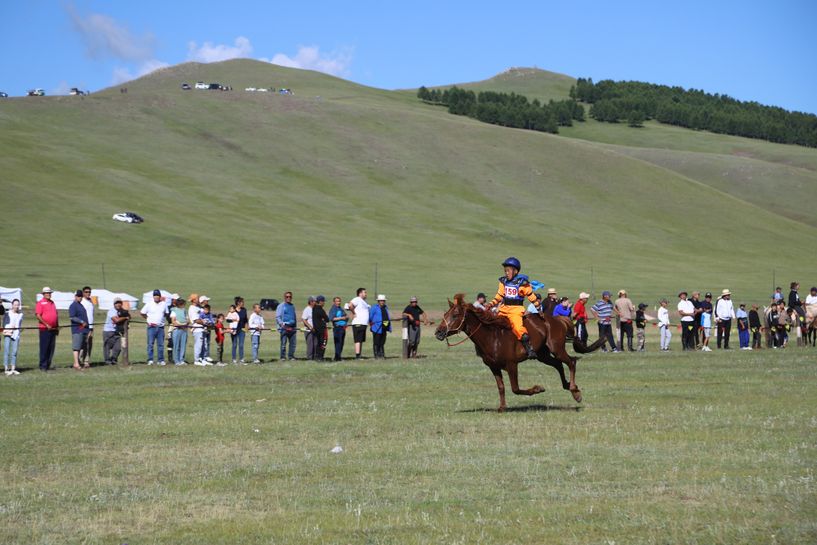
{"points": [[458, 329]]}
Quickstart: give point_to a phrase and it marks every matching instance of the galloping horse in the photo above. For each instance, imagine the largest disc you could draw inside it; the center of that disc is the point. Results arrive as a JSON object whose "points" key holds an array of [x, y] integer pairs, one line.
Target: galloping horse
{"points": [[500, 350]]}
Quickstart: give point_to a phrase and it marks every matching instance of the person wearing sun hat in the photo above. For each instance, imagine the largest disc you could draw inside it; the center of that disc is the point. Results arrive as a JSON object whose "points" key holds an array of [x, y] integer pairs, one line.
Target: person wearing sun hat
{"points": [[724, 314], [625, 312], [687, 312], [380, 324], [580, 316], [48, 324]]}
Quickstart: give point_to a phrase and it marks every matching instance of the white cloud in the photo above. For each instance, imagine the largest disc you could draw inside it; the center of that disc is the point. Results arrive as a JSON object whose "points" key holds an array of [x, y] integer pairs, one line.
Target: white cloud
{"points": [[209, 52], [62, 88], [122, 74], [336, 63], [105, 37]]}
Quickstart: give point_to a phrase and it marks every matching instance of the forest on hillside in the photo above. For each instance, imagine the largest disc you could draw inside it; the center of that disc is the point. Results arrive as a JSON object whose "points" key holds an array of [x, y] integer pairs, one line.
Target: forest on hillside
{"points": [[506, 109], [634, 102]]}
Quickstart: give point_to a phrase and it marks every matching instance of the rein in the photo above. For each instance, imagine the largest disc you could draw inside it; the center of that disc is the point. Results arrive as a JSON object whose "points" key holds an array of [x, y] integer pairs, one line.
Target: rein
{"points": [[459, 330]]}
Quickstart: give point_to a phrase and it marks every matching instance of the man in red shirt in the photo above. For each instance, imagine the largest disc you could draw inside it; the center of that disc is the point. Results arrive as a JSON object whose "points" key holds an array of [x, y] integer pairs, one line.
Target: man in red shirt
{"points": [[580, 316], [46, 312]]}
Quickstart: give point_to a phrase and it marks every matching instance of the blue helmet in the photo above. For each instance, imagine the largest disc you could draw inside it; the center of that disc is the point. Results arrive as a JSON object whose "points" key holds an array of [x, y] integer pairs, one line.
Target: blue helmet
{"points": [[512, 262]]}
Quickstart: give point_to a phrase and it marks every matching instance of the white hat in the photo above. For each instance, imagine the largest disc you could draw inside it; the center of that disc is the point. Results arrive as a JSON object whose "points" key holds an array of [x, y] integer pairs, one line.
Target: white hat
{"points": [[622, 291], [47, 290], [584, 295], [203, 299], [175, 296], [726, 292], [381, 297], [551, 291]]}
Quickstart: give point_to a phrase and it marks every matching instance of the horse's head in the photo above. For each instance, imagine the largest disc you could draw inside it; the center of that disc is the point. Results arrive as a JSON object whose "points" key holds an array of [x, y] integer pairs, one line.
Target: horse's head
{"points": [[454, 318]]}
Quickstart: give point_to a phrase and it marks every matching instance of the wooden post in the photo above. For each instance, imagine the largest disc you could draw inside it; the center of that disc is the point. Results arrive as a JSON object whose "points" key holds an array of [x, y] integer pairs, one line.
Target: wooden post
{"points": [[405, 339], [125, 357]]}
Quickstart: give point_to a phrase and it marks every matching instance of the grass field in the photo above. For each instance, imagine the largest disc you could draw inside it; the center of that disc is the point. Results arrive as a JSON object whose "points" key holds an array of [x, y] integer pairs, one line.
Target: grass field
{"points": [[666, 448]]}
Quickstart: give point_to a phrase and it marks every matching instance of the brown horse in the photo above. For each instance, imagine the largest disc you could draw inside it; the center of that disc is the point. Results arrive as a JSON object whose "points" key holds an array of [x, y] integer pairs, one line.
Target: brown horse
{"points": [[500, 350]]}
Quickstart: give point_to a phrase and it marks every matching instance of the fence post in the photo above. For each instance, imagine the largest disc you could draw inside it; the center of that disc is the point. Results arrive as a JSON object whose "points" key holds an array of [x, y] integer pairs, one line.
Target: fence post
{"points": [[125, 357], [405, 339]]}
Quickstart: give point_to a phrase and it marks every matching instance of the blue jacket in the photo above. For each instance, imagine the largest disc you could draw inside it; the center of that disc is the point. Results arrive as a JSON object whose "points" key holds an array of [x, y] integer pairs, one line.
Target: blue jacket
{"points": [[561, 310], [379, 319], [77, 314], [285, 315]]}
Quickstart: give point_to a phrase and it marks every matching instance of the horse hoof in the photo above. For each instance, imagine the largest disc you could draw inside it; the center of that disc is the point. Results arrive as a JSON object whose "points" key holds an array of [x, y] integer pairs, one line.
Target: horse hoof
{"points": [[501, 409], [577, 395], [537, 389]]}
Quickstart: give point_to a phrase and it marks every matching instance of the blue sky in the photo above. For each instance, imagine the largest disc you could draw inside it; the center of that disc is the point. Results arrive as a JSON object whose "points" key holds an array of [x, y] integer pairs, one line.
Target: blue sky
{"points": [[751, 50]]}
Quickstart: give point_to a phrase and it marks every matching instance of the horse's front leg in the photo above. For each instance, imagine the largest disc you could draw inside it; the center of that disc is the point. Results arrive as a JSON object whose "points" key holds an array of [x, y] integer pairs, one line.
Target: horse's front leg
{"points": [[500, 385], [513, 375]]}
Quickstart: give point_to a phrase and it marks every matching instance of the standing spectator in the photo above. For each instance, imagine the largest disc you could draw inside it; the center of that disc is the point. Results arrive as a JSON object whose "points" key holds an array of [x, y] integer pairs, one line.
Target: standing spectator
{"points": [[743, 327], [79, 328], [381, 326], [413, 315], [580, 316], [664, 325], [207, 324], [755, 326], [154, 313], [706, 311], [687, 312], [778, 294], [12, 322], [256, 326], [232, 326], [178, 319], [337, 315], [724, 312], [811, 298], [796, 305], [625, 311], [241, 329], [49, 327], [112, 331], [360, 320], [531, 309], [603, 311], [640, 326], [219, 328], [480, 302], [698, 304], [319, 321], [196, 327], [88, 303], [170, 305], [563, 308], [550, 302], [287, 326], [309, 330]]}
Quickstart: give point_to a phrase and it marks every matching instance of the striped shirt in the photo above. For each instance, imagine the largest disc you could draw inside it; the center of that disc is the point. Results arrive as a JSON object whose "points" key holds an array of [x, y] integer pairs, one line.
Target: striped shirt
{"points": [[604, 309]]}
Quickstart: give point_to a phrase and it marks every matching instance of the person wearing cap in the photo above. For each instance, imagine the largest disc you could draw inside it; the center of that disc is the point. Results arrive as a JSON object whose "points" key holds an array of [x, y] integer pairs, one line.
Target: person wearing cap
{"points": [[208, 323], [88, 303], [480, 302], [513, 289], [742, 319], [724, 313], [285, 318], [79, 328], [309, 330], [603, 311], [154, 314], [360, 309], [641, 326], [686, 310], [580, 316], [196, 327], [625, 311], [664, 326], [11, 323], [755, 326], [339, 319], [112, 332], [48, 324], [255, 324], [319, 325], [380, 323], [705, 308], [413, 315]]}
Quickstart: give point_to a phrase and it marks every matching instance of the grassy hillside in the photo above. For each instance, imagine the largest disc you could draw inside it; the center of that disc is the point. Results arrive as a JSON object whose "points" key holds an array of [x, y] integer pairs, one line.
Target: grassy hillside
{"points": [[257, 193], [531, 82]]}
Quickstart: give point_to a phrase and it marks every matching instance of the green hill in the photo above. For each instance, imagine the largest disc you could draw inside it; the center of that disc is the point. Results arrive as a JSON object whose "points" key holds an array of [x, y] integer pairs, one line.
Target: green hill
{"points": [[531, 82], [256, 193]]}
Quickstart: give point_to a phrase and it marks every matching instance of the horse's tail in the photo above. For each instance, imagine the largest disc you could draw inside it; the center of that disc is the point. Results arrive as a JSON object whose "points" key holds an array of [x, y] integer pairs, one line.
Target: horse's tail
{"points": [[582, 348]]}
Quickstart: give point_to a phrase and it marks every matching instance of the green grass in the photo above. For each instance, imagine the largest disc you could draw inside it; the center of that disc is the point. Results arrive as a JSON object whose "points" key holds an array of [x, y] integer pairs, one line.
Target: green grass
{"points": [[666, 448], [533, 83]]}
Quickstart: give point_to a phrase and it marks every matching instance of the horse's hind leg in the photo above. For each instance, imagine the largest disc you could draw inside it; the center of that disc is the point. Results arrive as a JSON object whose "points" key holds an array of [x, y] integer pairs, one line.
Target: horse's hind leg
{"points": [[513, 375], [500, 385], [556, 364]]}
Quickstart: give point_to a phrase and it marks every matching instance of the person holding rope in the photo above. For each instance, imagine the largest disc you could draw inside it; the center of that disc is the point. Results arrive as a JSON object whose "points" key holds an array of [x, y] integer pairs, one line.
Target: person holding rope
{"points": [[285, 317], [319, 328], [178, 319], [337, 314], [413, 315], [79, 328], [112, 332], [154, 313], [12, 322], [88, 304], [579, 316], [360, 320], [513, 289], [49, 328], [256, 325]]}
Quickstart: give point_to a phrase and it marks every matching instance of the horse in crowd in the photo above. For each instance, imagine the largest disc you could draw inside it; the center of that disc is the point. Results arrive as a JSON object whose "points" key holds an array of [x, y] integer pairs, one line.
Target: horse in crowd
{"points": [[501, 351]]}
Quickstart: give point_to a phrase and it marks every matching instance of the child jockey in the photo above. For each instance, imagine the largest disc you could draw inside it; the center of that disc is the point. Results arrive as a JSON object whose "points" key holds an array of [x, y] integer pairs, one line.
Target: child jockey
{"points": [[514, 288]]}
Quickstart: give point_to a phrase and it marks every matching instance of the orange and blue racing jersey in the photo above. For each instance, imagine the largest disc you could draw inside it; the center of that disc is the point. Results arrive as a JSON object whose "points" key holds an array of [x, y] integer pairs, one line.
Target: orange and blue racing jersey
{"points": [[513, 292]]}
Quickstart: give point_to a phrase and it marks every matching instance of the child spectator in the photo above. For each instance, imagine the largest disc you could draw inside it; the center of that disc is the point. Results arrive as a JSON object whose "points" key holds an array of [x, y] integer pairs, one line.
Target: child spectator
{"points": [[232, 323], [640, 326], [209, 322], [755, 326], [219, 327], [663, 325], [743, 327], [255, 325], [12, 321]]}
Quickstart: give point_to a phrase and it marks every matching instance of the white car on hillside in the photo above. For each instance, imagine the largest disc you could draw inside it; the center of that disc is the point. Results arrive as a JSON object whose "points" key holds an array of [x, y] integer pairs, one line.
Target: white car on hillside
{"points": [[201, 85], [250, 89], [128, 217]]}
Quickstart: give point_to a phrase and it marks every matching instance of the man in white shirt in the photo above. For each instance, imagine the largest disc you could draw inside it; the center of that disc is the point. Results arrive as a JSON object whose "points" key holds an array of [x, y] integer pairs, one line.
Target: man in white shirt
{"points": [[154, 313], [663, 325], [88, 304], [724, 313], [196, 327], [687, 312], [309, 334], [360, 321]]}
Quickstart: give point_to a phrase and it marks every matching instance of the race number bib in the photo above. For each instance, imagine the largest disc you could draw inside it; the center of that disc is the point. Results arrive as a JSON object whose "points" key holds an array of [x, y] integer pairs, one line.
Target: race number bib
{"points": [[511, 291]]}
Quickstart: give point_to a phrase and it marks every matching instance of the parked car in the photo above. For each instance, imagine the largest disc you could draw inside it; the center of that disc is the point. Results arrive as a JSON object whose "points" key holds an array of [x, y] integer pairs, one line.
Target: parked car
{"points": [[36, 93], [128, 217], [250, 89], [186, 87], [77, 92], [262, 90], [3, 95], [201, 85]]}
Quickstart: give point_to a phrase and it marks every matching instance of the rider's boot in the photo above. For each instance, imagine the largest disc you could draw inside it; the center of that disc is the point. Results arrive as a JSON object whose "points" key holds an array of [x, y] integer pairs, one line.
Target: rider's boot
{"points": [[526, 343]]}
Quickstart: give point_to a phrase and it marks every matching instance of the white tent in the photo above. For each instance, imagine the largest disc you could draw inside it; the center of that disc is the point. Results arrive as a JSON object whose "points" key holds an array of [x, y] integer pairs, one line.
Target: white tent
{"points": [[10, 294], [104, 299], [62, 299], [148, 296]]}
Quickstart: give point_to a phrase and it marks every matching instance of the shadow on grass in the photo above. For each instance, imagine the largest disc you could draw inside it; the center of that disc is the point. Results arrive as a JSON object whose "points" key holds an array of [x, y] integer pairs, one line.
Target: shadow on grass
{"points": [[528, 409]]}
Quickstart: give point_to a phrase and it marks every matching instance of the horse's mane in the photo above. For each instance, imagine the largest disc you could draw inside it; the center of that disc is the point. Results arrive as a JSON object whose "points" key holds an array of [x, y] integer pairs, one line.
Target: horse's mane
{"points": [[487, 317]]}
